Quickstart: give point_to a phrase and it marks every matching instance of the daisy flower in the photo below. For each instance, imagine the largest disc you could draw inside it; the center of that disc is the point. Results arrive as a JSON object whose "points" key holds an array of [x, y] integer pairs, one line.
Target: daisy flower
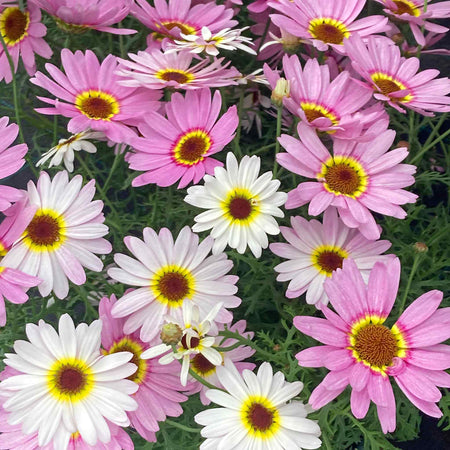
{"points": [[22, 32], [180, 147], [394, 79], [357, 178], [154, 69], [169, 274], [64, 150], [255, 413], [227, 39], [63, 235], [66, 384], [415, 13], [314, 252], [77, 16], [193, 340], [361, 351], [325, 24], [11, 160], [169, 18], [240, 205], [90, 95], [158, 394]]}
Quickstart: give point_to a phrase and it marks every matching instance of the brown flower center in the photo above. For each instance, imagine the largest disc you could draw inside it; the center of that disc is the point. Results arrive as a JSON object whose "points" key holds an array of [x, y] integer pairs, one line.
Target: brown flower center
{"points": [[405, 8], [259, 417], [343, 178], [376, 345], [97, 105], [240, 208], [173, 286], [193, 342], [171, 75], [14, 25], [192, 147], [386, 87], [184, 27], [70, 380], [43, 230], [330, 31], [128, 344], [329, 261], [201, 365]]}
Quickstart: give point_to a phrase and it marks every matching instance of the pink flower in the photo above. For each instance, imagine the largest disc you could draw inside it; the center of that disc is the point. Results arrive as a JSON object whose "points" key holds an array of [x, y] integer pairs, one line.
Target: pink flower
{"points": [[89, 93], [154, 69], [332, 106], [315, 251], [356, 178], [170, 17], [394, 79], [179, 148], [158, 394], [23, 34], [413, 12], [11, 160], [361, 351], [323, 23], [80, 15]]}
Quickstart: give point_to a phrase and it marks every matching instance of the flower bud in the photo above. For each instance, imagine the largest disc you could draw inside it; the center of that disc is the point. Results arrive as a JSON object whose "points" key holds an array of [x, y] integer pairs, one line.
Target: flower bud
{"points": [[171, 333], [282, 90], [420, 247]]}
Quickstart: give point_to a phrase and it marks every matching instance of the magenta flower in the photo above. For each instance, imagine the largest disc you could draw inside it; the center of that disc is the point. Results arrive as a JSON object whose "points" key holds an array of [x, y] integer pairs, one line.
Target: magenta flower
{"points": [[332, 106], [179, 148], [357, 178], [23, 33], [362, 352], [315, 251], [395, 80], [154, 69], [89, 93], [412, 11], [80, 15], [325, 24], [158, 394]]}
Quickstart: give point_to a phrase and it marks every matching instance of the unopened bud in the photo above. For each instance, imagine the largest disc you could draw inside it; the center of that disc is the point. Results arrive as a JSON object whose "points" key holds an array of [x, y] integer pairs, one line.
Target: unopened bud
{"points": [[276, 348], [282, 90], [398, 38], [171, 333], [420, 247], [403, 144], [291, 43]]}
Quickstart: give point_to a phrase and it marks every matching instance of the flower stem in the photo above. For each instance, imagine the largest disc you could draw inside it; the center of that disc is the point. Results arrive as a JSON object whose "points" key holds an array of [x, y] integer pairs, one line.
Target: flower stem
{"points": [[430, 145], [182, 427], [113, 168], [203, 381], [277, 144], [245, 341], [417, 257]]}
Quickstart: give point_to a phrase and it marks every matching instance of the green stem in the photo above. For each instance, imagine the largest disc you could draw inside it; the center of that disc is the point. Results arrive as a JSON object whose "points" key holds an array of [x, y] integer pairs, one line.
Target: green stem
{"points": [[263, 149], [229, 348], [202, 380], [245, 341], [417, 257], [432, 144], [436, 129], [237, 138], [14, 84], [277, 144], [182, 427], [113, 168]]}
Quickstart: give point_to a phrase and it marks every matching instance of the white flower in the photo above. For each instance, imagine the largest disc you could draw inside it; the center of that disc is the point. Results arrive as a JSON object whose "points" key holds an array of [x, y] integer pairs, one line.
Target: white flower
{"points": [[255, 413], [66, 385], [227, 39], [66, 148], [194, 340], [240, 205]]}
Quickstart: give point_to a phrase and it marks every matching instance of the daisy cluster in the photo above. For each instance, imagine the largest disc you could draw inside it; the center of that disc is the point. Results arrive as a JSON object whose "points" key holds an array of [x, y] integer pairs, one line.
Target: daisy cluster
{"points": [[163, 316]]}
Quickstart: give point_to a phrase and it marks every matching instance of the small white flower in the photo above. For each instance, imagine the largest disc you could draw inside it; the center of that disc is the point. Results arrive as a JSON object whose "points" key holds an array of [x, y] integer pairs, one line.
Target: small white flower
{"points": [[226, 39], [240, 205], [65, 149]]}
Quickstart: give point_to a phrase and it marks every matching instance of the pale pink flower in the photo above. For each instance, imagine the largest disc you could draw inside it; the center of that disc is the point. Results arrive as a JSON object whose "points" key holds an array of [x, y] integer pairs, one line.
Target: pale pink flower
{"points": [[323, 23], [362, 352], [394, 79], [180, 147], [23, 33], [89, 93], [358, 177], [315, 251], [80, 15]]}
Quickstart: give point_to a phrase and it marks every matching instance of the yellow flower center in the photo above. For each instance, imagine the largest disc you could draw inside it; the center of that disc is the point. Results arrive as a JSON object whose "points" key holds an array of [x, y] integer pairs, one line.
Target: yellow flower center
{"points": [[386, 84], [313, 111], [178, 75], [328, 258], [70, 379], [375, 345], [45, 231], [97, 105], [202, 366], [172, 284], [344, 175], [14, 25], [184, 27], [330, 31], [405, 7], [260, 417], [3, 249], [241, 206], [127, 344], [191, 147]]}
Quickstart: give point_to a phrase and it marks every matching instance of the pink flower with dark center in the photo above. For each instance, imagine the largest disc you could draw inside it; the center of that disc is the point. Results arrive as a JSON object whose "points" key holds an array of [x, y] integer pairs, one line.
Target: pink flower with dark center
{"points": [[315, 251], [325, 24], [394, 79], [22, 32], [358, 177], [78, 16], [362, 352], [180, 147], [89, 93], [415, 13], [158, 394], [154, 69]]}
